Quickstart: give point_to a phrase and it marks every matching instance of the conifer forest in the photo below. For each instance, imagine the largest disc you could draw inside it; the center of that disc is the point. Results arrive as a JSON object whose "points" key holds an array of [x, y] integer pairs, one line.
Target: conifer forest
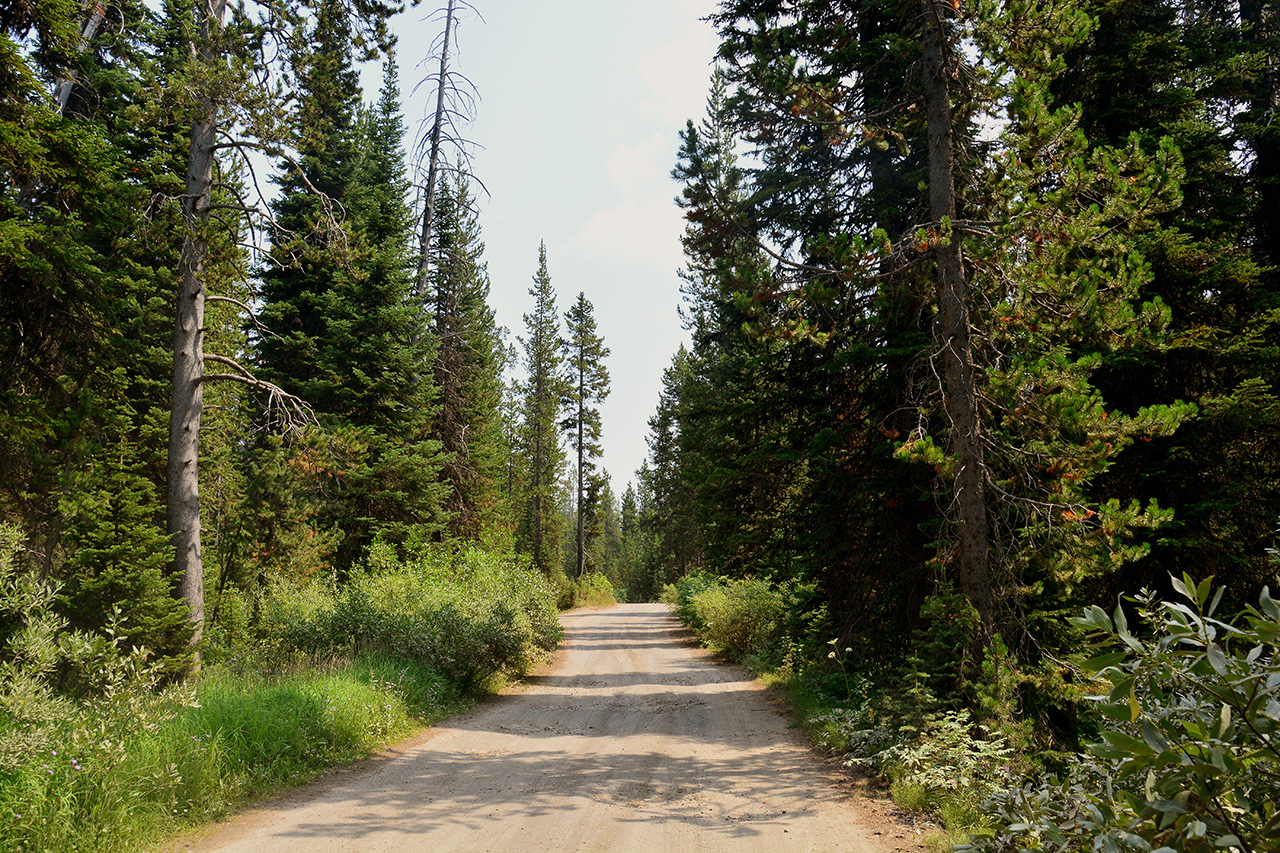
{"points": [[972, 450]]}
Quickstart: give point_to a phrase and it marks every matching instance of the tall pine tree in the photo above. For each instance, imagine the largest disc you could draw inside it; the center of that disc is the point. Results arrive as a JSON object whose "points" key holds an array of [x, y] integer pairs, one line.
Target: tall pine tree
{"points": [[468, 367], [543, 390], [344, 335], [586, 386]]}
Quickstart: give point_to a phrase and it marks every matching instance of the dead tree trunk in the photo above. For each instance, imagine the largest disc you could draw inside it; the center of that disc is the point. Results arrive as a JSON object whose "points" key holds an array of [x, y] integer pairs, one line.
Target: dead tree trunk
{"points": [[959, 377], [183, 498], [62, 90], [433, 159]]}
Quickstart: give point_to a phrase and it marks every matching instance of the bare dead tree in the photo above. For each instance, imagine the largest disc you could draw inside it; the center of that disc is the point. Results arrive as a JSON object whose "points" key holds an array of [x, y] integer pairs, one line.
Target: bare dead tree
{"points": [[454, 106]]}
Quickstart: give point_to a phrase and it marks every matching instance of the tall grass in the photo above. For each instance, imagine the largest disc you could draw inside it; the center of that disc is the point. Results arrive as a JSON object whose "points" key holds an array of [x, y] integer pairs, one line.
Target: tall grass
{"points": [[319, 676], [245, 737]]}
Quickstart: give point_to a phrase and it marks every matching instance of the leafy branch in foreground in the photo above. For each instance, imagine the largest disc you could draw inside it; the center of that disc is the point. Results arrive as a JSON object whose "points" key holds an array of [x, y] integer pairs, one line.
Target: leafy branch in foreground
{"points": [[1190, 762]]}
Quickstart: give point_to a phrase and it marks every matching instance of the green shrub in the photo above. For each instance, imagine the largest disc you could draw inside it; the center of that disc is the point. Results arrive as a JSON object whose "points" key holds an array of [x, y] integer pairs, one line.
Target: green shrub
{"points": [[741, 617], [686, 589], [113, 781], [60, 755], [1189, 761], [591, 590], [468, 615]]}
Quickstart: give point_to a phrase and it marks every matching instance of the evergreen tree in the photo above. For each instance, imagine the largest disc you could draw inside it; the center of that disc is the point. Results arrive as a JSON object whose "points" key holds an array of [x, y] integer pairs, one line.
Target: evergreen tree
{"points": [[468, 367], [587, 385], [543, 391], [1156, 69], [676, 537], [344, 335], [877, 222], [85, 301]]}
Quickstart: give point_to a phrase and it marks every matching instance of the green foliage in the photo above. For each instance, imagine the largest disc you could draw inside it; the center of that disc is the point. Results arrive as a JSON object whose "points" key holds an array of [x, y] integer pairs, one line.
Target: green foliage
{"points": [[1187, 757], [586, 385], [116, 569], [344, 334], [129, 761], [239, 738], [590, 590], [542, 396], [57, 751], [469, 615], [468, 368], [735, 617], [943, 756]]}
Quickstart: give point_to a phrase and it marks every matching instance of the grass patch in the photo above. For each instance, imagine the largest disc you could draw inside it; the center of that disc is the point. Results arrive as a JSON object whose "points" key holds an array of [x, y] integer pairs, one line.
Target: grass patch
{"points": [[247, 737]]}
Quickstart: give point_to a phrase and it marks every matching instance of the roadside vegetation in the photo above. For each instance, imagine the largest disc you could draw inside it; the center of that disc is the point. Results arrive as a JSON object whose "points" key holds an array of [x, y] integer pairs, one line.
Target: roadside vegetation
{"points": [[336, 505], [974, 446], [1178, 720], [99, 751]]}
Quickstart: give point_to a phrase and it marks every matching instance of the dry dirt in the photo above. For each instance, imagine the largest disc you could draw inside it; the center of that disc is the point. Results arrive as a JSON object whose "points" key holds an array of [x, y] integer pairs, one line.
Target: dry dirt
{"points": [[631, 739]]}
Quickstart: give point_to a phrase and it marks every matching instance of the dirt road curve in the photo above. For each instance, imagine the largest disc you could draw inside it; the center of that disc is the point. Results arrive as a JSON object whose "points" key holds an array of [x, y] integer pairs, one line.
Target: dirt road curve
{"points": [[631, 740]]}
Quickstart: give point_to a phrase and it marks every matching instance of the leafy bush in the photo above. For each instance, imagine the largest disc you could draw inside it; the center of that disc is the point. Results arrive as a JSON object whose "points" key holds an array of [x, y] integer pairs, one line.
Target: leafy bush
{"points": [[591, 590], [245, 736], [1189, 761], [740, 617], [55, 749], [735, 618], [685, 590], [947, 769], [468, 615]]}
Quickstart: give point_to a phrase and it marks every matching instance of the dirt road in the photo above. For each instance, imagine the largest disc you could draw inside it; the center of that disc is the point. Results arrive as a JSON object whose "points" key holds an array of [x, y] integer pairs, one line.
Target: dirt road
{"points": [[630, 740]]}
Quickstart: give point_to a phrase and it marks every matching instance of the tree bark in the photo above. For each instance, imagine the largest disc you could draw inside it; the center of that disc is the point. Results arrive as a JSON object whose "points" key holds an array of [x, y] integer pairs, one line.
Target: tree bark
{"points": [[959, 376], [183, 495], [582, 530], [433, 160]]}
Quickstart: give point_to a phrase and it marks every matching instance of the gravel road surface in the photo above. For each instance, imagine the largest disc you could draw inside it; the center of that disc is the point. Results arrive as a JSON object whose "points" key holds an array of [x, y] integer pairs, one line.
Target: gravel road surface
{"points": [[631, 739]]}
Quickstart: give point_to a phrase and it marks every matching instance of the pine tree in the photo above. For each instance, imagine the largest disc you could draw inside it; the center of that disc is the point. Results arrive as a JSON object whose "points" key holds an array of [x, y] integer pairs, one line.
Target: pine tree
{"points": [[543, 391], [676, 538], [851, 278], [586, 385], [344, 335], [85, 322], [468, 367], [1167, 69]]}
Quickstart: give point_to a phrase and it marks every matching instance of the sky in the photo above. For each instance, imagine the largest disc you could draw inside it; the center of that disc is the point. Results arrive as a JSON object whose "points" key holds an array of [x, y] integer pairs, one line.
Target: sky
{"points": [[580, 105]]}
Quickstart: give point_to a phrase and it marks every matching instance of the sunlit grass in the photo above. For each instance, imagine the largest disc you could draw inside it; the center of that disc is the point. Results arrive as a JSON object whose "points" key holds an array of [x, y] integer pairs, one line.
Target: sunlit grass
{"points": [[247, 738]]}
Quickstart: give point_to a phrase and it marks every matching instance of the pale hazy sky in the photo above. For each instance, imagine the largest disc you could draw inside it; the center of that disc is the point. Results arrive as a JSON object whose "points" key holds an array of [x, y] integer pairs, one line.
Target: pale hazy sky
{"points": [[581, 103]]}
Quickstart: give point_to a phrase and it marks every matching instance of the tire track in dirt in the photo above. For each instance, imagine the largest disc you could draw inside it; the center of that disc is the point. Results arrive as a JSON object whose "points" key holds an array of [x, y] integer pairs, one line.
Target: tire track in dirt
{"points": [[630, 740]]}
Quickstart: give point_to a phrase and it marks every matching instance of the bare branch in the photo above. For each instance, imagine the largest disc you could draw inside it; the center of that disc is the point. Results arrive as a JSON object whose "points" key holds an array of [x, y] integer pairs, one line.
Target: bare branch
{"points": [[286, 412], [253, 317]]}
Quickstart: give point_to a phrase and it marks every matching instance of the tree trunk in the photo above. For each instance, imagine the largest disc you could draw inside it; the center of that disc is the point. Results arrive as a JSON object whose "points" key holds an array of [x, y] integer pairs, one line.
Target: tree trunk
{"points": [[433, 160], [538, 556], [960, 392], [62, 90], [582, 530], [183, 496]]}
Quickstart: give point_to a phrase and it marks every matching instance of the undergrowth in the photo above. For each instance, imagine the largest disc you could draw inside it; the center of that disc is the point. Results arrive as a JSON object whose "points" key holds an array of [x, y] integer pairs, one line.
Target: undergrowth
{"points": [[299, 680], [1186, 758], [591, 590]]}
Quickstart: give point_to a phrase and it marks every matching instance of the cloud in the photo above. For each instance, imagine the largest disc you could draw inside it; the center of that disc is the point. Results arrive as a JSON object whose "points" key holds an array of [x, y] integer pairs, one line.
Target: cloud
{"points": [[644, 223], [636, 171], [676, 76], [643, 234]]}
